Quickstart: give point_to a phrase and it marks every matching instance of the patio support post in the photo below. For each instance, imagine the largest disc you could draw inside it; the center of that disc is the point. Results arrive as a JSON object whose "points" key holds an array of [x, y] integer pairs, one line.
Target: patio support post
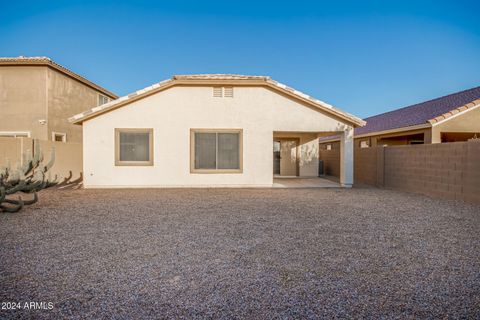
{"points": [[346, 158]]}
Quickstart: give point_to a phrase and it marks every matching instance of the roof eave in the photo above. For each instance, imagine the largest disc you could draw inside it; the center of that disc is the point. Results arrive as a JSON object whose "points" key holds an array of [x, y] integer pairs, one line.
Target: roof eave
{"points": [[179, 81]]}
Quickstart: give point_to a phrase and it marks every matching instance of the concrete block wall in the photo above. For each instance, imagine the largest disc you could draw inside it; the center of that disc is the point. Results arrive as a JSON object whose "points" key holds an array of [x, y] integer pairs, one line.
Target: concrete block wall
{"points": [[439, 170], [365, 166], [443, 170], [331, 159], [68, 156]]}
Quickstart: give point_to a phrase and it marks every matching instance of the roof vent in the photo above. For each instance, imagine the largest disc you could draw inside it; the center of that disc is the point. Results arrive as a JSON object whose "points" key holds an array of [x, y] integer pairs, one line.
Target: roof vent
{"points": [[219, 92], [228, 92]]}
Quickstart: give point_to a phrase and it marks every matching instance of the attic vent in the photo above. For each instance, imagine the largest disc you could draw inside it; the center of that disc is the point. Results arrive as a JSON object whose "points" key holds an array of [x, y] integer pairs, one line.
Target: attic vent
{"points": [[228, 92], [220, 92], [217, 92]]}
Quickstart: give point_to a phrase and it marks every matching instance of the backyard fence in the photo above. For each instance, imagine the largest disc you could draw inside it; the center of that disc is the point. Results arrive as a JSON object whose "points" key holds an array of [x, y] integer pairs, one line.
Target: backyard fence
{"points": [[446, 170], [68, 156]]}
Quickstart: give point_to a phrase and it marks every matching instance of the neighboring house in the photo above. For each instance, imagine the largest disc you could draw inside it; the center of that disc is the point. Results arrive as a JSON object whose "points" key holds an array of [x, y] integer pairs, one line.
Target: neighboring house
{"points": [[455, 117], [210, 130], [38, 95]]}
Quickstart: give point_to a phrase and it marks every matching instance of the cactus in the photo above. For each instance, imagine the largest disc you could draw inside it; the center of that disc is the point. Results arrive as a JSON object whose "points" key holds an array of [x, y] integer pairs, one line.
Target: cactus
{"points": [[28, 178]]}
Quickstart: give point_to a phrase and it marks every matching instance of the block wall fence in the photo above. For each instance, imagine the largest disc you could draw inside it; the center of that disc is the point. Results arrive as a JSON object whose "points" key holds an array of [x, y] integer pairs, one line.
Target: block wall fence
{"points": [[68, 156], [443, 170]]}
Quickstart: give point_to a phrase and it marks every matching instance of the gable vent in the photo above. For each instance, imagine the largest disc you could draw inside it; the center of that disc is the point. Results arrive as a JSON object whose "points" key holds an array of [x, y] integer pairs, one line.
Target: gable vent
{"points": [[228, 92], [217, 92], [220, 92]]}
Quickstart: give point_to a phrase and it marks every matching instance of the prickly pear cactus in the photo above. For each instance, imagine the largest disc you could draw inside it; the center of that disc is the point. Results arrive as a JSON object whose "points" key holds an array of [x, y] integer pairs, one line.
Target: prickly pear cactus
{"points": [[26, 178]]}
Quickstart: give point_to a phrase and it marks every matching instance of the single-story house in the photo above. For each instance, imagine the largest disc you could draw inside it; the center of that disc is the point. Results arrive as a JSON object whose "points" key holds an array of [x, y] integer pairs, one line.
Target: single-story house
{"points": [[454, 117], [212, 130]]}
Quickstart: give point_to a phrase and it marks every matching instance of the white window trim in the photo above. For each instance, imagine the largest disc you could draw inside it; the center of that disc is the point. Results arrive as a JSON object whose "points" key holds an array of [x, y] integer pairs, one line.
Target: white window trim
{"points": [[15, 134], [63, 134], [102, 96], [364, 144]]}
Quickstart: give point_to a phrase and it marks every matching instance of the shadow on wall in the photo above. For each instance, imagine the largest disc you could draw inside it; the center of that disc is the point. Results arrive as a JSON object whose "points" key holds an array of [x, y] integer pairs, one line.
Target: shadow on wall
{"points": [[68, 156], [68, 183], [308, 152]]}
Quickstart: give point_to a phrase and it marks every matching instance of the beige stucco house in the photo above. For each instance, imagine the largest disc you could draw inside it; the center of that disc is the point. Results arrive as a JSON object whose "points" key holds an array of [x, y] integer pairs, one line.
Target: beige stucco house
{"points": [[451, 118], [210, 131], [37, 96]]}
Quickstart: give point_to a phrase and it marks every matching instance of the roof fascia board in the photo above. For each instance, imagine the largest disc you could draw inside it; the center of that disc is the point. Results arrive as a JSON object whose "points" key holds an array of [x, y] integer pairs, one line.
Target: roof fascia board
{"points": [[435, 123], [120, 104], [396, 130], [220, 82]]}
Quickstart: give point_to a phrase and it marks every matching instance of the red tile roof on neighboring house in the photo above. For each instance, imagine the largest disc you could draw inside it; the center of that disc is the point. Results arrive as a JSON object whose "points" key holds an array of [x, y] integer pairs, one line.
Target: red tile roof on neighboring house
{"points": [[45, 61]]}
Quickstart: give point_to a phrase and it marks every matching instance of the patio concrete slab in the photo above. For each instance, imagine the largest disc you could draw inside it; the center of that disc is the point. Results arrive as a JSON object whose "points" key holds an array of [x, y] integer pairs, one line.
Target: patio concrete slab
{"points": [[304, 183]]}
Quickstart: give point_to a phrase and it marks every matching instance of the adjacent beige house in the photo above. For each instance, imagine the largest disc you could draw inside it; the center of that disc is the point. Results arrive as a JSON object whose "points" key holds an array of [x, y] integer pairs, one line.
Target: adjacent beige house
{"points": [[38, 95], [451, 118], [211, 131]]}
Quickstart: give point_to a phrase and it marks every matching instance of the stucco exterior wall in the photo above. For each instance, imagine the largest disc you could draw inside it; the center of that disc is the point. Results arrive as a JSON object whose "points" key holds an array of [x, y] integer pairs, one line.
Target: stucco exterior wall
{"points": [[467, 122], [307, 151], [172, 113], [23, 99], [66, 97]]}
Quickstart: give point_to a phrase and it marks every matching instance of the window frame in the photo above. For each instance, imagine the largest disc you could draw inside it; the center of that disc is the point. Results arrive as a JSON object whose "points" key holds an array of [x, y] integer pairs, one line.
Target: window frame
{"points": [[62, 134], [215, 171], [15, 134], [102, 96], [120, 163], [363, 144]]}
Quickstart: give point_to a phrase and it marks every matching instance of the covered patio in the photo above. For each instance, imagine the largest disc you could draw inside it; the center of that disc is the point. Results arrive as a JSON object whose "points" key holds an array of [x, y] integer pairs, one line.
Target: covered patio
{"points": [[296, 159]]}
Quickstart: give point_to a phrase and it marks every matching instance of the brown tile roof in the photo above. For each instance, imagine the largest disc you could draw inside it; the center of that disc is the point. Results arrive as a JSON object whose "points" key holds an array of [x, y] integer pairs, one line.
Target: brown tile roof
{"points": [[425, 113], [45, 61], [216, 79]]}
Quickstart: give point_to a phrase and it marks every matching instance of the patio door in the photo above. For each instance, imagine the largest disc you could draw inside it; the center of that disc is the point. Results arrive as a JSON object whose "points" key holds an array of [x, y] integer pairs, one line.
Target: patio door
{"points": [[276, 157], [288, 158]]}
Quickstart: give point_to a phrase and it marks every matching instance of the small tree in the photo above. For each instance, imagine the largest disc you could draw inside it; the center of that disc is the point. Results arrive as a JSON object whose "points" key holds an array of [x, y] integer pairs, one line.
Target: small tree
{"points": [[27, 178]]}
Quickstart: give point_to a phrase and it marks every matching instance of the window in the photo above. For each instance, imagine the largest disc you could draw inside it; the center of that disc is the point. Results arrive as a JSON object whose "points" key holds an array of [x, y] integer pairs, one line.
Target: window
{"points": [[216, 151], [219, 92], [364, 144], [59, 136], [102, 99], [329, 147], [133, 147], [15, 134]]}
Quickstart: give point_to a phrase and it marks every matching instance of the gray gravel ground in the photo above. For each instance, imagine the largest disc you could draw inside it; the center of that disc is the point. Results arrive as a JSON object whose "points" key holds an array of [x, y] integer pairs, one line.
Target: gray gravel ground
{"points": [[243, 253]]}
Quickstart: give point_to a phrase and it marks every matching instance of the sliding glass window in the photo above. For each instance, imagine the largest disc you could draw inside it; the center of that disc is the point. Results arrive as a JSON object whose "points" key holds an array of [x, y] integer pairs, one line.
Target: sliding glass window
{"points": [[216, 151]]}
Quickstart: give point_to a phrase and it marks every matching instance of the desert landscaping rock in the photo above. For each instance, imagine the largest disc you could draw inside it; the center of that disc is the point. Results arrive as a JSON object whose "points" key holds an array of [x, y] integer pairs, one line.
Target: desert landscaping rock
{"points": [[242, 253]]}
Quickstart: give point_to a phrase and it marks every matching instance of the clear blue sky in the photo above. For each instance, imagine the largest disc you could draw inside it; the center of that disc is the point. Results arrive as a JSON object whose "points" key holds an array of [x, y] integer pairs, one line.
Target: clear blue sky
{"points": [[363, 57]]}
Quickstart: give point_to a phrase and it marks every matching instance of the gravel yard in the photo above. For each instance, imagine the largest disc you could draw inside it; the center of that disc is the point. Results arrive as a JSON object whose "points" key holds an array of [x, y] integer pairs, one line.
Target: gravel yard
{"points": [[243, 253]]}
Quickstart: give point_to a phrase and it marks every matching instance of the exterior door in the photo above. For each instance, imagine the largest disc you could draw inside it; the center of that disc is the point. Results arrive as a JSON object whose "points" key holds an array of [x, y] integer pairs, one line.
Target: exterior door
{"points": [[288, 158], [276, 157]]}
